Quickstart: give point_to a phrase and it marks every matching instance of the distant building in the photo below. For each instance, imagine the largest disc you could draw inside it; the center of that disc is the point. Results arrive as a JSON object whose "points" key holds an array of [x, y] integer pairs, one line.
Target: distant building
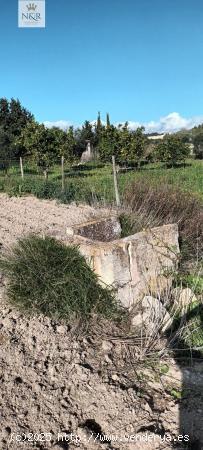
{"points": [[156, 137]]}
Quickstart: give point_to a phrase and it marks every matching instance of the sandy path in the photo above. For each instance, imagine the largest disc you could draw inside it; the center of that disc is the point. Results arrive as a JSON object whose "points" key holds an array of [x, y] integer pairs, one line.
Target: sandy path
{"points": [[23, 215]]}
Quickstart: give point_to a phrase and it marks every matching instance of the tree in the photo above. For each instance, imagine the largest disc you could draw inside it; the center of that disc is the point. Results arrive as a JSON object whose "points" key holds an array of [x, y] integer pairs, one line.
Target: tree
{"points": [[132, 144], [108, 123], [98, 130], [64, 142], [99, 123], [41, 143], [4, 149], [198, 145], [172, 150], [13, 119], [82, 135], [109, 143]]}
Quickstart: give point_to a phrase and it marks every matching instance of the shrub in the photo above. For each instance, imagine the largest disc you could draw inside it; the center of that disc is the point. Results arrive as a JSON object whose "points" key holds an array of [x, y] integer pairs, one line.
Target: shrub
{"points": [[46, 276], [172, 150], [198, 145], [130, 224], [193, 332], [74, 191], [162, 204]]}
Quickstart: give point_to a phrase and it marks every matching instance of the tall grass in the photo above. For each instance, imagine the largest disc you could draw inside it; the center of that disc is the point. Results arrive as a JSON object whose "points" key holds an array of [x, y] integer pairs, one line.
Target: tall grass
{"points": [[46, 276], [95, 180], [154, 205]]}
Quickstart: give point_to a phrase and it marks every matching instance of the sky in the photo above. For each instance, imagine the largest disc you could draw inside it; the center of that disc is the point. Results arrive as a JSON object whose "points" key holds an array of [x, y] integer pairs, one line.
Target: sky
{"points": [[141, 61]]}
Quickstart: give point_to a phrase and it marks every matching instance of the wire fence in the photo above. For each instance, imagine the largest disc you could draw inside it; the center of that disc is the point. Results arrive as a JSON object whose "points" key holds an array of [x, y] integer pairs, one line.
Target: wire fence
{"points": [[93, 181], [90, 181]]}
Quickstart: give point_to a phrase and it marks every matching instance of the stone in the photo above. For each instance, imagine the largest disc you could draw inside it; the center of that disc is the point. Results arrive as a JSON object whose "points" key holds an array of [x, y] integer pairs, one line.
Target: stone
{"points": [[106, 346], [152, 315], [183, 297], [61, 329], [134, 266]]}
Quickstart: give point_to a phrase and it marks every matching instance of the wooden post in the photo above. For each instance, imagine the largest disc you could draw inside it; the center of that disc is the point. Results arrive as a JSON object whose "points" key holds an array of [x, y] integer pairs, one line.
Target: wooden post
{"points": [[118, 203], [62, 174], [21, 168]]}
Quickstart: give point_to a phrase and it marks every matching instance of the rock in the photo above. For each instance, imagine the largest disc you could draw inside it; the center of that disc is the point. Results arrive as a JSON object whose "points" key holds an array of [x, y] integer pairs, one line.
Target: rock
{"points": [[183, 297], [106, 346], [61, 329], [152, 315], [107, 359], [115, 377], [134, 265]]}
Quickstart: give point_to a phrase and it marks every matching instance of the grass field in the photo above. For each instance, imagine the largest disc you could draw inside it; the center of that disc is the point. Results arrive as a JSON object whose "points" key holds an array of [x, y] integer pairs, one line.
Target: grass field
{"points": [[96, 180]]}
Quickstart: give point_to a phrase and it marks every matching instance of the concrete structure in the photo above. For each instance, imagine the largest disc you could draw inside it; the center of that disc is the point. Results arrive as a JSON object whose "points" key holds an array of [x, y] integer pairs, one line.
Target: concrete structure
{"points": [[135, 265], [88, 154], [156, 137]]}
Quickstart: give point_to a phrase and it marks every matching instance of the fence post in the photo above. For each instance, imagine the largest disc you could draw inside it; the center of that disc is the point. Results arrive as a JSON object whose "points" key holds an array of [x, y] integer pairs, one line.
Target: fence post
{"points": [[62, 174], [118, 203], [21, 168]]}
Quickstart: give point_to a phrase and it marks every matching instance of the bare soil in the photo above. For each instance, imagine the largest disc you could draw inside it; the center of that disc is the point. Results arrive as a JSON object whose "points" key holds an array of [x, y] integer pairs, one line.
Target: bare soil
{"points": [[63, 389], [23, 215]]}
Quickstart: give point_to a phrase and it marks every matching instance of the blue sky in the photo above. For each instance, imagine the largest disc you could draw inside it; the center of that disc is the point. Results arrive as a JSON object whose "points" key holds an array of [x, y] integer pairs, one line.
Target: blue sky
{"points": [[141, 61]]}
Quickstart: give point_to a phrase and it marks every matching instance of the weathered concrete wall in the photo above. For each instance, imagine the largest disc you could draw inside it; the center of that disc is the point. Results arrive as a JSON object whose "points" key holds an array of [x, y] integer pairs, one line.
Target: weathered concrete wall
{"points": [[106, 229], [135, 265]]}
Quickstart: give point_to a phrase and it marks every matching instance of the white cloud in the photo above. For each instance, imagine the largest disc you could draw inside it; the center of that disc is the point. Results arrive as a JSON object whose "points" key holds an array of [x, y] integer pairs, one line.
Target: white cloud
{"points": [[63, 124], [167, 124]]}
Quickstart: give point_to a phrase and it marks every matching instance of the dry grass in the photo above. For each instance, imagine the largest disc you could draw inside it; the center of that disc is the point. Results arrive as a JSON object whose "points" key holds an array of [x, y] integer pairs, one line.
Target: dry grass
{"points": [[157, 205]]}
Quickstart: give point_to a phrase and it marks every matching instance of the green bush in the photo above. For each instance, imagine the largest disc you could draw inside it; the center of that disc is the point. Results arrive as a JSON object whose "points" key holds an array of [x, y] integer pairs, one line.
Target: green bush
{"points": [[76, 191], [195, 282], [172, 150], [46, 276], [193, 332]]}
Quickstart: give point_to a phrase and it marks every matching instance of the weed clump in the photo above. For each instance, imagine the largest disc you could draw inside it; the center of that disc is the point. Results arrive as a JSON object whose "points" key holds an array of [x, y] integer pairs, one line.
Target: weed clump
{"points": [[46, 276]]}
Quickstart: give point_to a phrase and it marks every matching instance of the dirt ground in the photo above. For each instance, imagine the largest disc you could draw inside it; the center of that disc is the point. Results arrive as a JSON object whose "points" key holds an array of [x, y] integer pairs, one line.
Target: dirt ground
{"points": [[23, 215], [60, 390]]}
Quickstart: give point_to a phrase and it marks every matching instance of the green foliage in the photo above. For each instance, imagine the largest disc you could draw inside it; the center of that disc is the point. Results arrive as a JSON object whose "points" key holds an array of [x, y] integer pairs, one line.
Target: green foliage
{"points": [[64, 142], [194, 282], [132, 144], [46, 276], [73, 192], [164, 368], [172, 150], [13, 119], [108, 123], [124, 144], [40, 143], [192, 334], [109, 143], [198, 145], [45, 145], [81, 136], [177, 395]]}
